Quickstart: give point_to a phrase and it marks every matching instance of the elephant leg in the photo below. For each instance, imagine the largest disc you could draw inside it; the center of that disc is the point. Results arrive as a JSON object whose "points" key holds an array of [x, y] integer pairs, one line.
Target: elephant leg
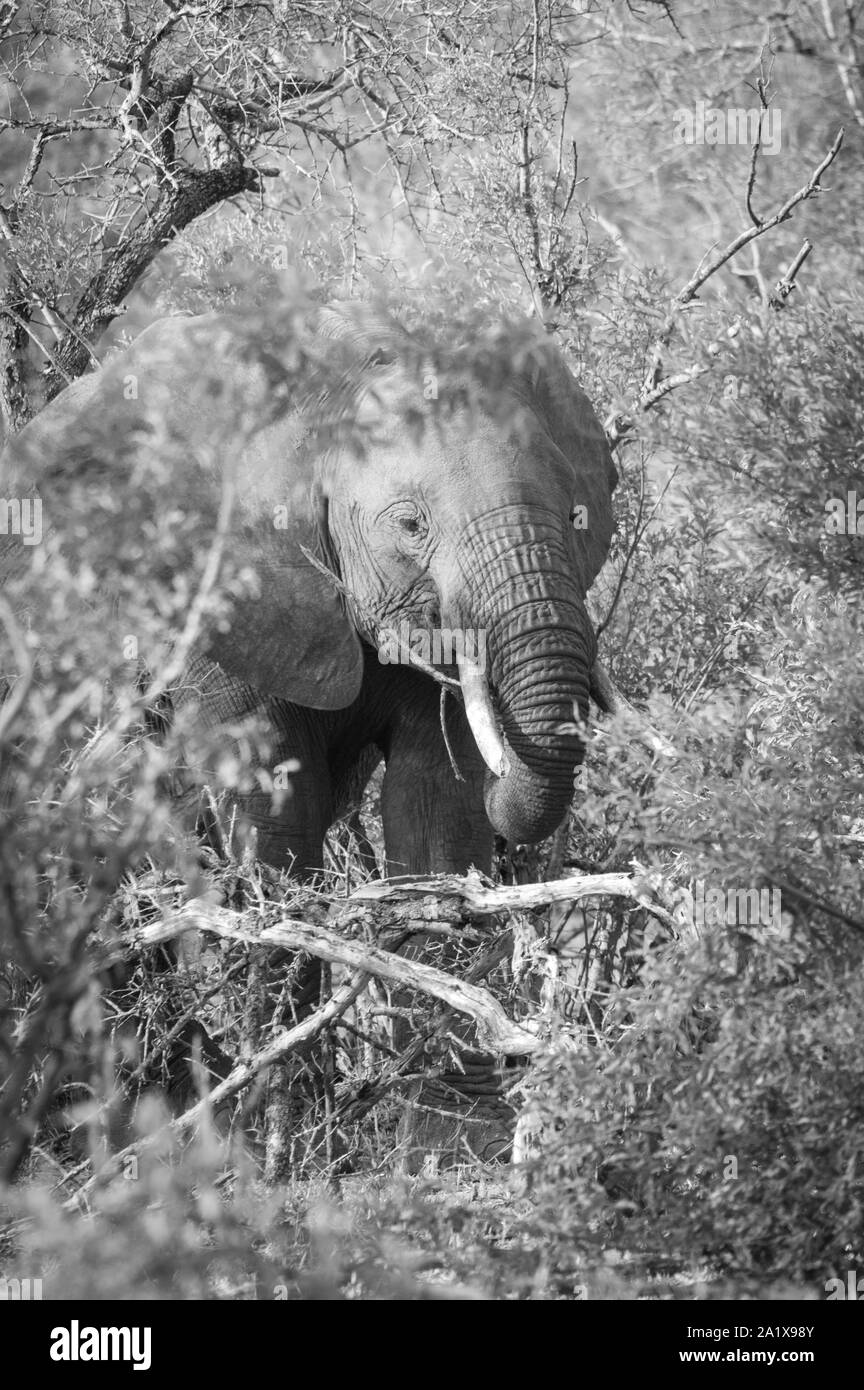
{"points": [[349, 775], [288, 831], [434, 823], [292, 837], [287, 836]]}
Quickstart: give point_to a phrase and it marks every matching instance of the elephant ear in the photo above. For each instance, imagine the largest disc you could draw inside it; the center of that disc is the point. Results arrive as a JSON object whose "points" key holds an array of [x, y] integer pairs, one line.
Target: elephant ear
{"points": [[571, 423], [198, 394], [292, 638]]}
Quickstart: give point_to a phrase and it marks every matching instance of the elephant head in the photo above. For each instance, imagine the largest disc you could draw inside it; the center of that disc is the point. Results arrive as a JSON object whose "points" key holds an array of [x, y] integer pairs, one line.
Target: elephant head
{"points": [[492, 522], [461, 490]]}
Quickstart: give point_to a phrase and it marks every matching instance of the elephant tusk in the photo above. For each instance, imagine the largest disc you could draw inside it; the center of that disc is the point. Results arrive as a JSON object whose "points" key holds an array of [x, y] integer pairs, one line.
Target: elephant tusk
{"points": [[605, 693], [602, 691], [481, 715]]}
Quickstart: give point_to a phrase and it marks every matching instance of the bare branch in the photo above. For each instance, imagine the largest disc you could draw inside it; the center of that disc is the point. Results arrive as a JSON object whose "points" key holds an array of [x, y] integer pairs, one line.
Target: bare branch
{"points": [[193, 194], [242, 1075], [654, 387], [808, 190], [476, 899], [495, 1031], [786, 284]]}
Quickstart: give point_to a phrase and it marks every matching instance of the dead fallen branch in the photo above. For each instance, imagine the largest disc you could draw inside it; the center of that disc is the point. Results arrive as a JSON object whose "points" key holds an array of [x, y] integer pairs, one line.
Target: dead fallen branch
{"points": [[408, 900], [241, 1076], [478, 900], [495, 1030], [359, 1100]]}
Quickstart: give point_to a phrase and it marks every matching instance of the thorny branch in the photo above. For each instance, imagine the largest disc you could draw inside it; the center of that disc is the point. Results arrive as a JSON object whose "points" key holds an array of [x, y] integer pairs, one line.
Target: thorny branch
{"points": [[243, 1074], [655, 385], [417, 901], [182, 106]]}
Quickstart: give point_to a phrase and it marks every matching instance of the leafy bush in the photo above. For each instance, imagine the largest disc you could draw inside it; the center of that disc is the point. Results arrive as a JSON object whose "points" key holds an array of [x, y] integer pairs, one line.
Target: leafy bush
{"points": [[717, 1126]]}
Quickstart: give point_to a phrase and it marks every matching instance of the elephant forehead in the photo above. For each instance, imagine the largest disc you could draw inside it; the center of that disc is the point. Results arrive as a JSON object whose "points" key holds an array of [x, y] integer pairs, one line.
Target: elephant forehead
{"points": [[468, 449]]}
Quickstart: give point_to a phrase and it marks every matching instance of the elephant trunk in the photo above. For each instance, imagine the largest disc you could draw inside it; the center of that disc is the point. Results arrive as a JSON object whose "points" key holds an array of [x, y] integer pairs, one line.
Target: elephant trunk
{"points": [[541, 648], [542, 689]]}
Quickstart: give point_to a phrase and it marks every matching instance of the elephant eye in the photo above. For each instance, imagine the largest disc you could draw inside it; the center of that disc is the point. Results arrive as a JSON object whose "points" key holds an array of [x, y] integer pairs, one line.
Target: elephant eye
{"points": [[410, 522]]}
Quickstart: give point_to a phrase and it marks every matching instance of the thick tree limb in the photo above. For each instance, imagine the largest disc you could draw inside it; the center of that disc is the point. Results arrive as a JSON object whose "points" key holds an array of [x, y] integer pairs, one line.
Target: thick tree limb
{"points": [[363, 1098], [190, 195]]}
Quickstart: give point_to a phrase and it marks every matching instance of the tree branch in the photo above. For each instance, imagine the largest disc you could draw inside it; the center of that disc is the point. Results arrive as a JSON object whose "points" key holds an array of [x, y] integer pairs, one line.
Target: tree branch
{"points": [[654, 386], [495, 1030], [241, 1076], [193, 194]]}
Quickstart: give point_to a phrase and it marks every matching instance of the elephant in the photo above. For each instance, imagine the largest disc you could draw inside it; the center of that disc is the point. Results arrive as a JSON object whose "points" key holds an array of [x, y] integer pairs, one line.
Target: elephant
{"points": [[461, 525], [412, 491]]}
